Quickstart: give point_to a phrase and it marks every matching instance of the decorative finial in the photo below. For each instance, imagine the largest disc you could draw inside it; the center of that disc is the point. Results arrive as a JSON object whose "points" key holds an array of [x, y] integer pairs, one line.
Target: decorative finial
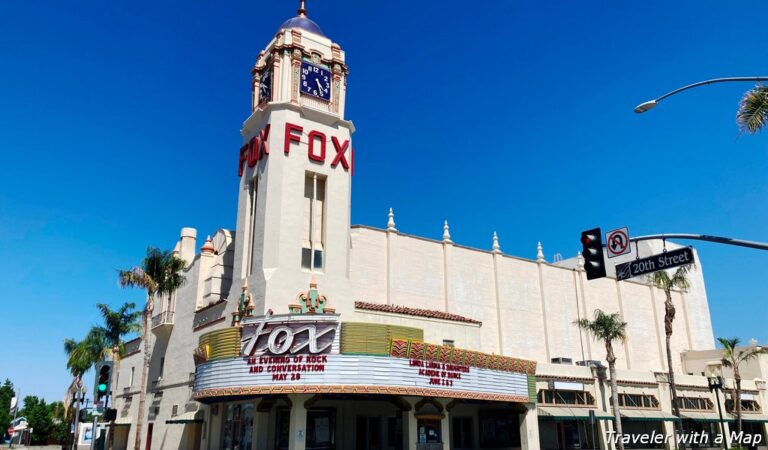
{"points": [[446, 232], [580, 261], [391, 221], [540, 254], [302, 9], [496, 247], [208, 246]]}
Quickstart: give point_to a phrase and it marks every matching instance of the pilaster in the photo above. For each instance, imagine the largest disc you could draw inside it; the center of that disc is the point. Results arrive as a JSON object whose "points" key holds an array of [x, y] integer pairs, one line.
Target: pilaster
{"points": [[529, 428], [297, 430]]}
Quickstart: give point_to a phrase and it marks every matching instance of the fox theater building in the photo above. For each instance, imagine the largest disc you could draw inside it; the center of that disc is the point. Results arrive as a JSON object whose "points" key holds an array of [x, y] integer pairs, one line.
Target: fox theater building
{"points": [[299, 331]]}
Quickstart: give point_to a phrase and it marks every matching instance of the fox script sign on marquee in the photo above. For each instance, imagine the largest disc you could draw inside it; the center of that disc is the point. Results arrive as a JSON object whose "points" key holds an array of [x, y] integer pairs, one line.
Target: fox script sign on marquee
{"points": [[302, 353]]}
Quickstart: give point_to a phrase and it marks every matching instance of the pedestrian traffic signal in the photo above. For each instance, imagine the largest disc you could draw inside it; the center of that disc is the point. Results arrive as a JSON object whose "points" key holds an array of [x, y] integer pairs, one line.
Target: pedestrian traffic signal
{"points": [[110, 414], [103, 380], [592, 251]]}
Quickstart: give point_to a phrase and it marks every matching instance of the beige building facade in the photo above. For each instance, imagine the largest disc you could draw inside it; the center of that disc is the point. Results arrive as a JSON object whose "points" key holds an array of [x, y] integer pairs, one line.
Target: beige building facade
{"points": [[300, 331]]}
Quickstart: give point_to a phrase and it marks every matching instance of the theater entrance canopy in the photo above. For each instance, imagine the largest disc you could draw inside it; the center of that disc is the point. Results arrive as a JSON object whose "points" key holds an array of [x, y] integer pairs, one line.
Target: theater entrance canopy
{"points": [[320, 354]]}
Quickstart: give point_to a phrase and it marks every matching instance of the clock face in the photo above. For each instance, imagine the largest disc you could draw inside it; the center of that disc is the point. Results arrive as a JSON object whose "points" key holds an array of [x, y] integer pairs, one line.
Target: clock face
{"points": [[265, 86], [315, 81]]}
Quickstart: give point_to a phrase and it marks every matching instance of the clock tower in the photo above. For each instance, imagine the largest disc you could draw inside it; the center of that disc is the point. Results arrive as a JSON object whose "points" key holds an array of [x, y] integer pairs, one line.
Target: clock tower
{"points": [[295, 168]]}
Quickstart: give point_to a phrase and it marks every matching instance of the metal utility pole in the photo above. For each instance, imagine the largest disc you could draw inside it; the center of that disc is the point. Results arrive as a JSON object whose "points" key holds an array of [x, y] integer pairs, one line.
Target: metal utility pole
{"points": [[15, 411], [704, 237]]}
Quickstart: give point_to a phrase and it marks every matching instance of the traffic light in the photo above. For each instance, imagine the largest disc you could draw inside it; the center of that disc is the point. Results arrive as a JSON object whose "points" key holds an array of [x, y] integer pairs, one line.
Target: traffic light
{"points": [[81, 415], [592, 250], [103, 380]]}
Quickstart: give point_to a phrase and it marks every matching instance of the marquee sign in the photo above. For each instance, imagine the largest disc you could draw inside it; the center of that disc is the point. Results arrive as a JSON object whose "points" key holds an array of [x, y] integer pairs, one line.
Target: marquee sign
{"points": [[355, 374], [289, 335], [302, 353]]}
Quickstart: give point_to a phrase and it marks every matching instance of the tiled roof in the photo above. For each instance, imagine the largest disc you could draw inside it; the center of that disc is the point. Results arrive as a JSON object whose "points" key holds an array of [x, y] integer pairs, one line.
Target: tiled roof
{"points": [[415, 312]]}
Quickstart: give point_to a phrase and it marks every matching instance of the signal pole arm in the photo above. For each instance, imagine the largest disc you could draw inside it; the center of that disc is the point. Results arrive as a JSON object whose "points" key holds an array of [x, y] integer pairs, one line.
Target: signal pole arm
{"points": [[704, 237]]}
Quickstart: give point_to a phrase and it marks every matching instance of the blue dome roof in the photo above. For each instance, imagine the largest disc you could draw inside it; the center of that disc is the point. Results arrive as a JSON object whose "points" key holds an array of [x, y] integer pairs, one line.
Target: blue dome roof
{"points": [[304, 23]]}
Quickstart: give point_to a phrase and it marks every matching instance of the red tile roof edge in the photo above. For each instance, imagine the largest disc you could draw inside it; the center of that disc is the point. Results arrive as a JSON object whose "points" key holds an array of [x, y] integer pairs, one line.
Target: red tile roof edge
{"points": [[414, 312]]}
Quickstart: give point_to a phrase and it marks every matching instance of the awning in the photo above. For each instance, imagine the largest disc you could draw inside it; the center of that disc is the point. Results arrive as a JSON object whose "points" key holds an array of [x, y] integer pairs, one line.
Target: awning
{"points": [[565, 413], [752, 418], [187, 417], [648, 415], [703, 416]]}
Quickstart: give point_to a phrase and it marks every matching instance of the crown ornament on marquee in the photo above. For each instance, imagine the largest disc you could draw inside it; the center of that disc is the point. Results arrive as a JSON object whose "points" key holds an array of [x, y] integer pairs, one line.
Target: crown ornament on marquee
{"points": [[311, 301]]}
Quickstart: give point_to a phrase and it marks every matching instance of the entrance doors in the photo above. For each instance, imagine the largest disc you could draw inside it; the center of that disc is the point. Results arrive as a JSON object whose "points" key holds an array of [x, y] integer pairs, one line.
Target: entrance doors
{"points": [[368, 433], [428, 434], [238, 427], [320, 432], [461, 428]]}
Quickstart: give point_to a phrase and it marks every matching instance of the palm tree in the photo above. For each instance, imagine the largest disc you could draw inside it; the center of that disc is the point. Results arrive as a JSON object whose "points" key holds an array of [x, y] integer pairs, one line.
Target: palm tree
{"points": [[81, 356], [752, 115], [608, 328], [733, 358], [109, 336], [158, 274], [662, 280]]}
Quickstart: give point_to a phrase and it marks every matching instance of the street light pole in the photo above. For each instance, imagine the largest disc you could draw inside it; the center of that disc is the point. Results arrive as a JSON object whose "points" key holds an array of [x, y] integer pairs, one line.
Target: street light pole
{"points": [[650, 104], [716, 386]]}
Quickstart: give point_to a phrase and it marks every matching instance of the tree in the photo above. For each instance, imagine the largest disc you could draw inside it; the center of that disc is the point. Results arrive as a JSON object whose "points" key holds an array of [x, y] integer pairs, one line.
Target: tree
{"points": [[6, 394], [733, 358], [59, 432], [752, 115], [39, 419], [679, 280], [109, 336], [159, 274], [608, 328], [81, 356]]}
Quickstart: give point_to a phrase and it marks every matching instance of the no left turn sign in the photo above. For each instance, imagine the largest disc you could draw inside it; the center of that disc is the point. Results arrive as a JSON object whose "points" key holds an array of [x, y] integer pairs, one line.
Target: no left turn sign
{"points": [[617, 242]]}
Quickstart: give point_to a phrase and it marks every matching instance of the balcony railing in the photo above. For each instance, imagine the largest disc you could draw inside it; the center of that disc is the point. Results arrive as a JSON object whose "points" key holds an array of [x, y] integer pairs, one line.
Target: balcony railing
{"points": [[164, 318]]}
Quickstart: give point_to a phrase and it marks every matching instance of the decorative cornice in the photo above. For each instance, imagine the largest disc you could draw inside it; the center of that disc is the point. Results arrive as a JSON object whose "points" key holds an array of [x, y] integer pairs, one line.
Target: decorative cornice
{"points": [[417, 312], [542, 377]]}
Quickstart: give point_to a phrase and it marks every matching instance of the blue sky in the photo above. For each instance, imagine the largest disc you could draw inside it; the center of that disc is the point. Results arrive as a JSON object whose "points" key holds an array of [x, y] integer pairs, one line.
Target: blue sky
{"points": [[119, 125]]}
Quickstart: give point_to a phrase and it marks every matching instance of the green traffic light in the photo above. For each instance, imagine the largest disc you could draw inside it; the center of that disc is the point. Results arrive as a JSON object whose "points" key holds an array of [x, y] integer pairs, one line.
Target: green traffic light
{"points": [[102, 387]]}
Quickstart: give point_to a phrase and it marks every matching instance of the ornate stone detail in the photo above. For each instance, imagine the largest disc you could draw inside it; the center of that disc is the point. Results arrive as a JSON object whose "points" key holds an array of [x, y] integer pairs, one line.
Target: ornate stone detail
{"points": [[245, 306], [200, 355], [391, 221], [311, 302]]}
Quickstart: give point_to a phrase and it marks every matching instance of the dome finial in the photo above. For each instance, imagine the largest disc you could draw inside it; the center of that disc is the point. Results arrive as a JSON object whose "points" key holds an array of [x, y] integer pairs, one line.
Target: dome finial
{"points": [[302, 8]]}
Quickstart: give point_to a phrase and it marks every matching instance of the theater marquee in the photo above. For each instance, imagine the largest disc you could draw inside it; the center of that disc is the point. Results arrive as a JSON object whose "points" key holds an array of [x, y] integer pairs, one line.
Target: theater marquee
{"points": [[298, 353]]}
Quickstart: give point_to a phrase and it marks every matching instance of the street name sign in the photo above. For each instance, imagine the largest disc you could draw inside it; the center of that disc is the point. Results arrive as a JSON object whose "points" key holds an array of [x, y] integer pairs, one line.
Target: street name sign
{"points": [[617, 242], [662, 261]]}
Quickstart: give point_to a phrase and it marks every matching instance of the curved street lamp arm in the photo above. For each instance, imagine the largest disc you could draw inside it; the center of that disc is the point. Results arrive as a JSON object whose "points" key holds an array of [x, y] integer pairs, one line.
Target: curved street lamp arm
{"points": [[714, 80], [645, 106], [704, 237]]}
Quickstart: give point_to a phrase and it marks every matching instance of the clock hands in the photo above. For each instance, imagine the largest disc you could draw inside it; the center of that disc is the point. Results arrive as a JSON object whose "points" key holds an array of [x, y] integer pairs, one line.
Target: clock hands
{"points": [[319, 86]]}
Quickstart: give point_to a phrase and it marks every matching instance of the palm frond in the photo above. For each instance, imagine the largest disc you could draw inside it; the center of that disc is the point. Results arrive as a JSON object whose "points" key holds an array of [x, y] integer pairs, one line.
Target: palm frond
{"points": [[604, 327], [752, 115]]}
